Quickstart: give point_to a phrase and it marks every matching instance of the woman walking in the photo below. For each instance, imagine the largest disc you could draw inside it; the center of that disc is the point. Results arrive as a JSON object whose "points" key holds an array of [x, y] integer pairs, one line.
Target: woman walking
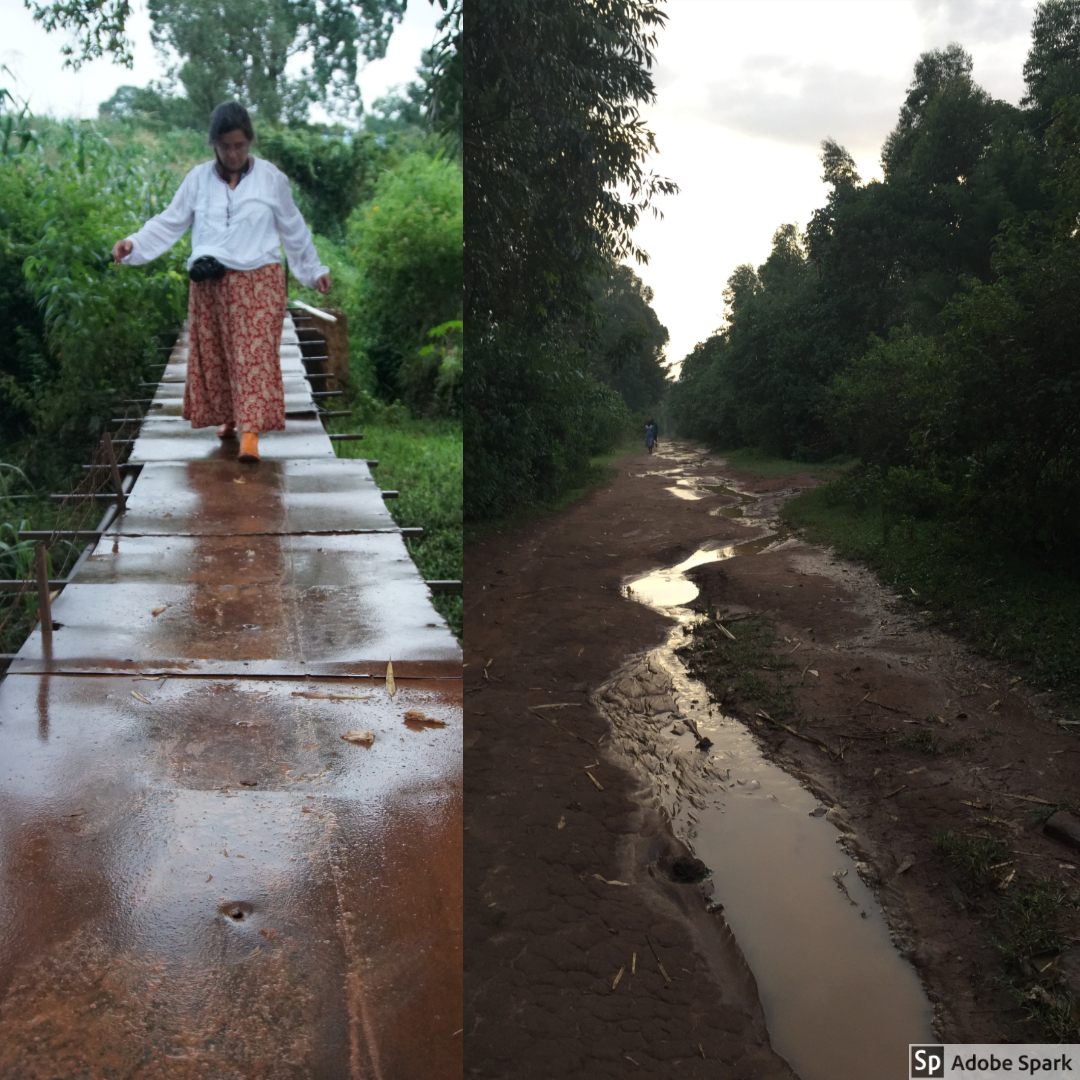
{"points": [[651, 435], [240, 211]]}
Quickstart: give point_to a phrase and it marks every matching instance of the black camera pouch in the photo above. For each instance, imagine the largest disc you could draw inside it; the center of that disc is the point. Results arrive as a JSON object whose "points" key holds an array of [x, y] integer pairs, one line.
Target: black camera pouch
{"points": [[206, 268]]}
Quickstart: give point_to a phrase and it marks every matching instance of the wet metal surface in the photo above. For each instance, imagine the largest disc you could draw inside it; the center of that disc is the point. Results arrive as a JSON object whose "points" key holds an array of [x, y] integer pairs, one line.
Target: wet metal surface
{"points": [[212, 498], [132, 833], [181, 442], [199, 877], [281, 599], [840, 1001]]}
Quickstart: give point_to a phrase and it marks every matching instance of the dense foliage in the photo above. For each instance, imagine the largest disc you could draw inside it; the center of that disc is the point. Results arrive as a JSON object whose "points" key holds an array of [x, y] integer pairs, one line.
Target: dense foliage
{"points": [[554, 185], [408, 240], [626, 349], [927, 323], [79, 333], [331, 174]]}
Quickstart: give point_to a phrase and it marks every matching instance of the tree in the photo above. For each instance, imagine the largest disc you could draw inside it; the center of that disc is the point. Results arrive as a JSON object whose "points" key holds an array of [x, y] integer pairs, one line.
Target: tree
{"points": [[150, 104], [937, 72], [399, 109], [333, 173], [1052, 68], [928, 323], [555, 181], [240, 49], [552, 134], [446, 83], [627, 348], [97, 25], [839, 166]]}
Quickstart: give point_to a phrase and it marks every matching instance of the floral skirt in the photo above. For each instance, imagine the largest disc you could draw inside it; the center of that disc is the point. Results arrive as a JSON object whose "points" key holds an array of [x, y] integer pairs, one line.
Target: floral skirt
{"points": [[234, 367]]}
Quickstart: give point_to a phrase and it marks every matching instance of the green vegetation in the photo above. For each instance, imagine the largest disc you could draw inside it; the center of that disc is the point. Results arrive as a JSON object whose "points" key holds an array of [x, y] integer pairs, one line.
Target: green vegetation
{"points": [[239, 49], [923, 741], [981, 858], [1025, 913], [751, 459], [80, 334], [626, 348], [408, 241], [742, 668], [925, 327], [554, 188], [1008, 605]]}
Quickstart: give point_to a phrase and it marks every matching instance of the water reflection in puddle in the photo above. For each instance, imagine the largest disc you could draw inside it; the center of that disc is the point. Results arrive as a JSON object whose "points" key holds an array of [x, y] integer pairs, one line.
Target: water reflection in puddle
{"points": [[840, 1001], [670, 587], [685, 493]]}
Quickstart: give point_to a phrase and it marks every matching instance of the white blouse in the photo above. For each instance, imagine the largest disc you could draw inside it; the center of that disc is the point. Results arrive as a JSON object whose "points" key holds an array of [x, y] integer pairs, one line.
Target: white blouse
{"points": [[244, 228]]}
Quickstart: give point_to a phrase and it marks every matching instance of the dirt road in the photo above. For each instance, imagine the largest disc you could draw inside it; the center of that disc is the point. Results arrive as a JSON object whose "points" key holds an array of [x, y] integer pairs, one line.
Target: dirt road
{"points": [[894, 727]]}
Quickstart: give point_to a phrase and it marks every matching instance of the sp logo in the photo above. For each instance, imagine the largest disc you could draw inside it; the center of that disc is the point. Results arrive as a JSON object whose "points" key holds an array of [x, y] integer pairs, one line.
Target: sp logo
{"points": [[927, 1061]]}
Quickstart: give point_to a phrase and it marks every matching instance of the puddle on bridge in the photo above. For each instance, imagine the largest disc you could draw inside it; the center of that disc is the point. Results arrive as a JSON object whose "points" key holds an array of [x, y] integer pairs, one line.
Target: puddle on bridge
{"points": [[840, 1001]]}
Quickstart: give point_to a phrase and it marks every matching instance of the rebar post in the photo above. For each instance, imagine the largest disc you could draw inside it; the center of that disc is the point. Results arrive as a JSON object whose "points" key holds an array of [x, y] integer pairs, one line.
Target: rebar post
{"points": [[44, 601], [110, 457]]}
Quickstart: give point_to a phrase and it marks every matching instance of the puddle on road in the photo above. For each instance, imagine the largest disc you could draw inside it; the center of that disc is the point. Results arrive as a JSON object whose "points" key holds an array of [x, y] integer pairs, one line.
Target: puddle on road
{"points": [[840, 1001], [685, 492]]}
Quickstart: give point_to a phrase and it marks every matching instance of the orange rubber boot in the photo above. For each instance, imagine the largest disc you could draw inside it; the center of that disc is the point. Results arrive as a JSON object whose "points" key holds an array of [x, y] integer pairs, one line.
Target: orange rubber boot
{"points": [[249, 446], [227, 431]]}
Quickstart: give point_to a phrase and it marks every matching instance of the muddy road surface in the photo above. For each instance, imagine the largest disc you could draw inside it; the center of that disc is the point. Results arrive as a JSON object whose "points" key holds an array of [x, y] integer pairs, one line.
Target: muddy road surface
{"points": [[608, 746]]}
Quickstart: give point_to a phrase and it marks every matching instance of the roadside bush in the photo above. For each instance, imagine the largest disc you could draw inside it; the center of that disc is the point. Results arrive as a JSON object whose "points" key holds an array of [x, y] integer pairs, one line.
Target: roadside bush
{"points": [[332, 173], [535, 417], [876, 407], [82, 331], [431, 377], [407, 243]]}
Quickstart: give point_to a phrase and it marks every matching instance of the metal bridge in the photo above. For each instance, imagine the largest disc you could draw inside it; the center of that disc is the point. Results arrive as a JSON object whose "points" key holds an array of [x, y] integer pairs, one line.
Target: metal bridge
{"points": [[199, 876]]}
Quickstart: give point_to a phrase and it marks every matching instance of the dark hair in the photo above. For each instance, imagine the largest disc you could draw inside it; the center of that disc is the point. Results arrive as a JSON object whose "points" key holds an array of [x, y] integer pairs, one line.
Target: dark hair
{"points": [[230, 116]]}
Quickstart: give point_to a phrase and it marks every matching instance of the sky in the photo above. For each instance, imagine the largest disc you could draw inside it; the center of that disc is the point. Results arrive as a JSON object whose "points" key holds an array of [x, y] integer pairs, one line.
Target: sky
{"points": [[34, 58], [746, 92]]}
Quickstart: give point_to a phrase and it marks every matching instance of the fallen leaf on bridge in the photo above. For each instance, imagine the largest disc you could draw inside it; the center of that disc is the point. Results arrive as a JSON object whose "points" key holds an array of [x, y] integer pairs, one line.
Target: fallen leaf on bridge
{"points": [[359, 737], [415, 720]]}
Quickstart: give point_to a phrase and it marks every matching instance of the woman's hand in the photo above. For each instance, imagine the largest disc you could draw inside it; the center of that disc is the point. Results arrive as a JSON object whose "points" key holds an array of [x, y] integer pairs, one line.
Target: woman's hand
{"points": [[121, 250], [322, 283]]}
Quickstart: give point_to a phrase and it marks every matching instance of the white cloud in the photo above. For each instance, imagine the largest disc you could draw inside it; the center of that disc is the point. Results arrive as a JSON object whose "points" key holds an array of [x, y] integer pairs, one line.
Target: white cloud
{"points": [[975, 22], [783, 98]]}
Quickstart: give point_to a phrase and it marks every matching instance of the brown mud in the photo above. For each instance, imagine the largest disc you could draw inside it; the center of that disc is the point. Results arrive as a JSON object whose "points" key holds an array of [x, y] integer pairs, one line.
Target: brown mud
{"points": [[547, 935]]}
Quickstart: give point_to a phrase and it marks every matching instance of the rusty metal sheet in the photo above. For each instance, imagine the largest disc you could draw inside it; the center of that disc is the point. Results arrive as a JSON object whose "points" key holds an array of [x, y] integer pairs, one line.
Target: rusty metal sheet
{"points": [[226, 498], [210, 882], [300, 439], [282, 601]]}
